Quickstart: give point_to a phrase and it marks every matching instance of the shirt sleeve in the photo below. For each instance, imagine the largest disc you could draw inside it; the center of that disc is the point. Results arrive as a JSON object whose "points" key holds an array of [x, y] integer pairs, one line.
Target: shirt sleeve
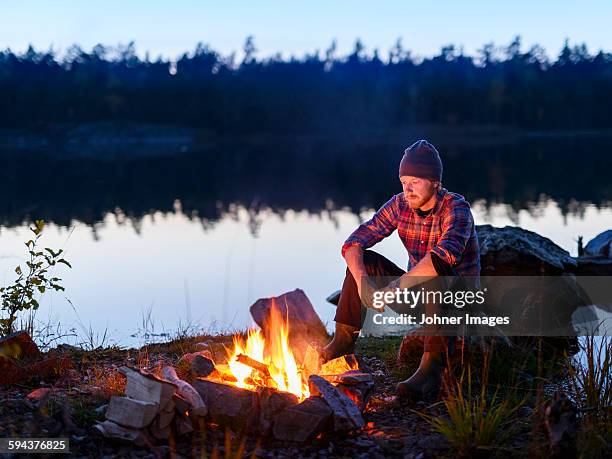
{"points": [[457, 225], [381, 225]]}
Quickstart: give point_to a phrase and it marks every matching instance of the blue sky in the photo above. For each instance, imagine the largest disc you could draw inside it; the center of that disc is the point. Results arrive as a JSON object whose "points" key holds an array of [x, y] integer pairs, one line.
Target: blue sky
{"points": [[295, 27]]}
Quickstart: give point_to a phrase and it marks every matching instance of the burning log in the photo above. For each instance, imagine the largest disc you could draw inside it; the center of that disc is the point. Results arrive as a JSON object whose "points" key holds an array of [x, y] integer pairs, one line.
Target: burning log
{"points": [[341, 364], [228, 405], [186, 390], [250, 362], [350, 378], [311, 363], [304, 421], [345, 412], [130, 412]]}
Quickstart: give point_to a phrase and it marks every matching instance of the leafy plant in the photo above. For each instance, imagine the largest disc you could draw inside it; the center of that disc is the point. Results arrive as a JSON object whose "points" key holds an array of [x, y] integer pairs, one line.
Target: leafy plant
{"points": [[32, 280]]}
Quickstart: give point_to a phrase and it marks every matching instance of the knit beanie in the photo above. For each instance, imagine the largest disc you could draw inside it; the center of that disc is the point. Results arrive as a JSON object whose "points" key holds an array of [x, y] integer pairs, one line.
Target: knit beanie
{"points": [[421, 159]]}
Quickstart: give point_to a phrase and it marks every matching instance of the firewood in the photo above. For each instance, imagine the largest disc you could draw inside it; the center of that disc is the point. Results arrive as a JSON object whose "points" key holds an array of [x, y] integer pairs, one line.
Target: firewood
{"points": [[250, 362], [341, 364], [161, 433], [147, 387], [109, 429], [166, 414], [311, 363], [352, 377], [345, 411], [186, 390], [131, 413], [304, 421]]}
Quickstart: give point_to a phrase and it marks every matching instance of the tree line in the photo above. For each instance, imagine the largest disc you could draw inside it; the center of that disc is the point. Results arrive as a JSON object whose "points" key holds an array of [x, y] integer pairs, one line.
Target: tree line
{"points": [[318, 93]]}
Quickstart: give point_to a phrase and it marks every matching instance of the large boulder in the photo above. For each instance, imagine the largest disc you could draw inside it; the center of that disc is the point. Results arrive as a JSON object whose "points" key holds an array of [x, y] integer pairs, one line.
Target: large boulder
{"points": [[513, 251], [600, 245]]}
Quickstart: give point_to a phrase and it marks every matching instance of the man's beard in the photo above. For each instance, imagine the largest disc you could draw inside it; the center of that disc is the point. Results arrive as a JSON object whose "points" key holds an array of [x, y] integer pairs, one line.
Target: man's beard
{"points": [[418, 201]]}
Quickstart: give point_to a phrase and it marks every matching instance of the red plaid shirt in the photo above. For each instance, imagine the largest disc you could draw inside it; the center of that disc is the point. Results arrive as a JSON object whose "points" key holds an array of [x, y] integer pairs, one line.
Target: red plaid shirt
{"points": [[448, 231]]}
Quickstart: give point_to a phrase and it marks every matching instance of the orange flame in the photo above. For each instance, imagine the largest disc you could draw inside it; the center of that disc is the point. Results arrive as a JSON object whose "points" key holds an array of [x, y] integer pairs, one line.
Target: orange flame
{"points": [[275, 353]]}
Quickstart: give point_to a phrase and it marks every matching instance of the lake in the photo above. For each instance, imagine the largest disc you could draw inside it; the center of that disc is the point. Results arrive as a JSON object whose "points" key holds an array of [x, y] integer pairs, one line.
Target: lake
{"points": [[173, 241]]}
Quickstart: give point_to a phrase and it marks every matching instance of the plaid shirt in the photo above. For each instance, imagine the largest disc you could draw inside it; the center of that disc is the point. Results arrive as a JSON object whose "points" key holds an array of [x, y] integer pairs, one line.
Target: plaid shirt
{"points": [[448, 231]]}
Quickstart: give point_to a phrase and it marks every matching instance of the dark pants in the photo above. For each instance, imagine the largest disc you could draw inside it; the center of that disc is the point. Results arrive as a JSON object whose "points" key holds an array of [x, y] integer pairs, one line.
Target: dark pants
{"points": [[351, 312]]}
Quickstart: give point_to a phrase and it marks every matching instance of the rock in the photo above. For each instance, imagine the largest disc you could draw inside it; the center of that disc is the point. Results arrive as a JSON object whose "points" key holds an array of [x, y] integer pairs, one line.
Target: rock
{"points": [[304, 421], [195, 364], [334, 298], [513, 251], [345, 412], [18, 345], [600, 245], [359, 393], [38, 397], [271, 403], [129, 412], [305, 326], [11, 372], [186, 391], [201, 366], [146, 387], [50, 367], [229, 406], [594, 266]]}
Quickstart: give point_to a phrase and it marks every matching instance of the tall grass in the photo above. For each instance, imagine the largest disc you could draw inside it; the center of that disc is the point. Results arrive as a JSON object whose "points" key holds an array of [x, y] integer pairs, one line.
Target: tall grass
{"points": [[475, 420], [590, 385]]}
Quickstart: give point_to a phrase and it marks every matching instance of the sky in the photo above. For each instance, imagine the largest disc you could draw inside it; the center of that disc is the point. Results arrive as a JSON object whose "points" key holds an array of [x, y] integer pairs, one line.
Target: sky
{"points": [[169, 28]]}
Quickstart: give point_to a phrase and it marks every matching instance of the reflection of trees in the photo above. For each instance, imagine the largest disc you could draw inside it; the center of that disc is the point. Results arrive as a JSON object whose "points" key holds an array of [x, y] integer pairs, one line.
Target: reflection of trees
{"points": [[257, 176], [500, 86]]}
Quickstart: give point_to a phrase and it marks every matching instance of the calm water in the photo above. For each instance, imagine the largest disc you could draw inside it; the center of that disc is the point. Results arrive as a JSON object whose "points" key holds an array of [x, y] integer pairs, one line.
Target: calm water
{"points": [[160, 243]]}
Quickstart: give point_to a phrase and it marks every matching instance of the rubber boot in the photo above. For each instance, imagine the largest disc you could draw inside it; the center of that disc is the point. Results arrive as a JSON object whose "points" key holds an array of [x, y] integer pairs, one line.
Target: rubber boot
{"points": [[342, 343], [426, 380]]}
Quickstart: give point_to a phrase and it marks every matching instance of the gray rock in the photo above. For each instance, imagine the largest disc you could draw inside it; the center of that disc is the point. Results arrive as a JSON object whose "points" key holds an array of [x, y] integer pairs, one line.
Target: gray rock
{"points": [[600, 245], [513, 251]]}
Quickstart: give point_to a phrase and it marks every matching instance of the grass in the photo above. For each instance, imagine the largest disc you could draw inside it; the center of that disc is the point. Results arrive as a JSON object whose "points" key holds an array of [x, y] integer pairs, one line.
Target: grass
{"points": [[591, 389], [474, 420]]}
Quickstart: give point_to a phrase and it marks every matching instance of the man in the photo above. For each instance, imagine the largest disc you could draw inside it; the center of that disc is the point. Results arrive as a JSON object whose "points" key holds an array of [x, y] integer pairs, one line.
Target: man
{"points": [[437, 230]]}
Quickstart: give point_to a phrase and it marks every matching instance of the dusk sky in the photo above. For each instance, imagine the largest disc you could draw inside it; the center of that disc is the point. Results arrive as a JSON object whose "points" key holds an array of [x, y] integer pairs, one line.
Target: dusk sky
{"points": [[294, 28]]}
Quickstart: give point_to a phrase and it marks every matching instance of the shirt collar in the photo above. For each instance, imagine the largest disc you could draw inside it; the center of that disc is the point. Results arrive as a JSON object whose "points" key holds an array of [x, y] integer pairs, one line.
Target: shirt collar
{"points": [[438, 204]]}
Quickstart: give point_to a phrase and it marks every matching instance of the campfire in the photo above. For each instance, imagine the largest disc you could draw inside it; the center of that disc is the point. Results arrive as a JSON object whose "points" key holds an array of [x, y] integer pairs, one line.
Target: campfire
{"points": [[266, 359], [269, 382]]}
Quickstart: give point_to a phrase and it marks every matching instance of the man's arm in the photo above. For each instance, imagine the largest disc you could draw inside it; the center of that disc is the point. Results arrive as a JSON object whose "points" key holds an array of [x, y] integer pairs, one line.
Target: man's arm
{"points": [[381, 225]]}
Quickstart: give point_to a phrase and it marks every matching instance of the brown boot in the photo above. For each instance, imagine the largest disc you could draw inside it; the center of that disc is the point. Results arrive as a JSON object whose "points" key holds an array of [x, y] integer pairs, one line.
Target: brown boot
{"points": [[342, 343], [427, 379]]}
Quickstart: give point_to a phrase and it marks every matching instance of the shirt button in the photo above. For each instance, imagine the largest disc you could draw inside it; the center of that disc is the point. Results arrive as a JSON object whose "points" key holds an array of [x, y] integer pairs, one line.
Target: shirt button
{"points": [[422, 242]]}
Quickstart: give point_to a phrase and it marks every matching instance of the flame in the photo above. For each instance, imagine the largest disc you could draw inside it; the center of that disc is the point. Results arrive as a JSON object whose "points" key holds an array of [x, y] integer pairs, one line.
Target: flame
{"points": [[275, 353], [271, 362]]}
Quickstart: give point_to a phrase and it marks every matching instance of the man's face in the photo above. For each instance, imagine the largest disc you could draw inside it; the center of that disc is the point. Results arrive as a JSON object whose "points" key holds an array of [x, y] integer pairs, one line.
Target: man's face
{"points": [[417, 191]]}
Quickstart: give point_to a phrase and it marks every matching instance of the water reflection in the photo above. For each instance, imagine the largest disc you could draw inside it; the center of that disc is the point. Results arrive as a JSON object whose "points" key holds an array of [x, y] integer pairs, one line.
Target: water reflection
{"points": [[171, 273], [281, 176]]}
